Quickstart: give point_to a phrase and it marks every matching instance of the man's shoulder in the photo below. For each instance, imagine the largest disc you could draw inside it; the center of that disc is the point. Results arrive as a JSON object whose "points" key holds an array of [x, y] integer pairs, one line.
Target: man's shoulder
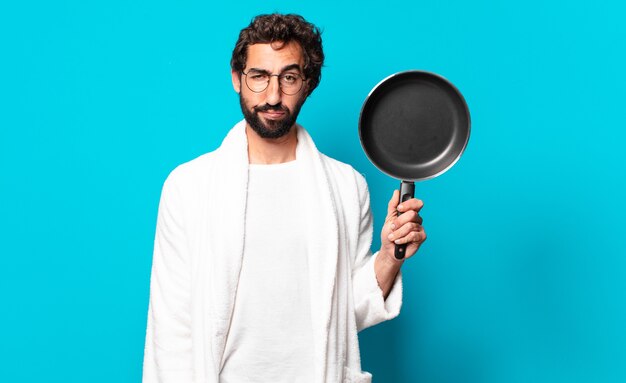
{"points": [[198, 164], [336, 164], [343, 171], [192, 171]]}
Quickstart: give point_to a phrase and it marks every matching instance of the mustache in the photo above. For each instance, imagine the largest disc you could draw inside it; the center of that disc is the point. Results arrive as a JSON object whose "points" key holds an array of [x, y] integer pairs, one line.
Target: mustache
{"points": [[267, 108]]}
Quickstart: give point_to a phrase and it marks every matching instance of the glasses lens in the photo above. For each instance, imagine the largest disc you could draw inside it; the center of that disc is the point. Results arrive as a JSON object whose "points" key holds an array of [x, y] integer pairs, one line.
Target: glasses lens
{"points": [[290, 83], [257, 81]]}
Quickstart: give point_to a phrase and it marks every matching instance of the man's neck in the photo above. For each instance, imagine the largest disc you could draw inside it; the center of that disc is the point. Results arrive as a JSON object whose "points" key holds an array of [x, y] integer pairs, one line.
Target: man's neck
{"points": [[271, 150]]}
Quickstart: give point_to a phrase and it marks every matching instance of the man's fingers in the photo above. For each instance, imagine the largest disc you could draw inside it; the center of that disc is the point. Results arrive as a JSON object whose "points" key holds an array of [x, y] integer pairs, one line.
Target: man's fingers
{"points": [[411, 204], [393, 203], [393, 207], [405, 230], [414, 236], [409, 216]]}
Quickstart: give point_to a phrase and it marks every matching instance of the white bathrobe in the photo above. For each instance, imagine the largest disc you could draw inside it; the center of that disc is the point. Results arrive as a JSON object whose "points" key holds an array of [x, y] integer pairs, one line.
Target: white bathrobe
{"points": [[198, 253]]}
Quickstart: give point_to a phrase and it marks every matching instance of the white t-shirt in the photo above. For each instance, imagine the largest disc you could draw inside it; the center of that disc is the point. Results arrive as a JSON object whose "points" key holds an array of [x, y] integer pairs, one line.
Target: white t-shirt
{"points": [[271, 336]]}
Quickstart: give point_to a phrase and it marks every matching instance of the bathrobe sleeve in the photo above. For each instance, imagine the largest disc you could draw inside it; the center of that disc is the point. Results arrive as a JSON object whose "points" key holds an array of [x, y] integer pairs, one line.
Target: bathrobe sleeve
{"points": [[167, 356], [370, 307]]}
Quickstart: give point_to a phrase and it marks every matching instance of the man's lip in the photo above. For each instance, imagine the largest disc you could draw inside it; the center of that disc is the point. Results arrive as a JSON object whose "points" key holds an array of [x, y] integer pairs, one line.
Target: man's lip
{"points": [[273, 114]]}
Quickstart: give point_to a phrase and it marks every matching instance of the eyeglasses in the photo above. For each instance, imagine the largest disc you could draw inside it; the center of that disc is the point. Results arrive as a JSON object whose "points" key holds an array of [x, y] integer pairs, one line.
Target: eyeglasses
{"points": [[290, 83]]}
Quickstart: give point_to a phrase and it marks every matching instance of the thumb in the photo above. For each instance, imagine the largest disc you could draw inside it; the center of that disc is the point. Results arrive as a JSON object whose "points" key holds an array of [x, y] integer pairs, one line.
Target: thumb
{"points": [[393, 203]]}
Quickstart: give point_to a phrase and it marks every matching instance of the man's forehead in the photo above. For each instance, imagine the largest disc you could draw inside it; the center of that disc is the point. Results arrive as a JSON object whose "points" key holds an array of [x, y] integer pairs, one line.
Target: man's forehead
{"points": [[274, 56]]}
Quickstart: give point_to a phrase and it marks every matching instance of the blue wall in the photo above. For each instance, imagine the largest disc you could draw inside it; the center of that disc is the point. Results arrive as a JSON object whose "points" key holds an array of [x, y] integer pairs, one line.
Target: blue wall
{"points": [[522, 278]]}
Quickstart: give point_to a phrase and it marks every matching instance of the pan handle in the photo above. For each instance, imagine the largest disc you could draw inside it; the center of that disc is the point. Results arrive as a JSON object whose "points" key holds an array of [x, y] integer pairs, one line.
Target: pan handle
{"points": [[407, 191]]}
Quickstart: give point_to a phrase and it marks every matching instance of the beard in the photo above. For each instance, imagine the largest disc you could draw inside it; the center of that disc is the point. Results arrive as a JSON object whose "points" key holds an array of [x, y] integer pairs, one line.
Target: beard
{"points": [[271, 128]]}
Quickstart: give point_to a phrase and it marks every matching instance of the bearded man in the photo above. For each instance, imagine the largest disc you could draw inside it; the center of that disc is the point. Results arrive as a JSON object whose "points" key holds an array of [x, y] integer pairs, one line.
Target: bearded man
{"points": [[262, 268]]}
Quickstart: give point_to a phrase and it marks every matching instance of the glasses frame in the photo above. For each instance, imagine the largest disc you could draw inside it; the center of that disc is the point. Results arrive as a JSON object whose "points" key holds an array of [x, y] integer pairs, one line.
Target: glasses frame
{"points": [[278, 76]]}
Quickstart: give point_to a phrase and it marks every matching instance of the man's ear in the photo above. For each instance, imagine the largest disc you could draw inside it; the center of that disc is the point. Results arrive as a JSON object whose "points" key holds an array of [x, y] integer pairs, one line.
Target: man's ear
{"points": [[236, 77]]}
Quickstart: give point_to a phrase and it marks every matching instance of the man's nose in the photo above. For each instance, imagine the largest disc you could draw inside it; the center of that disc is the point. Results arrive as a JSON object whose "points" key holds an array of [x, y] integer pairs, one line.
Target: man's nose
{"points": [[273, 93]]}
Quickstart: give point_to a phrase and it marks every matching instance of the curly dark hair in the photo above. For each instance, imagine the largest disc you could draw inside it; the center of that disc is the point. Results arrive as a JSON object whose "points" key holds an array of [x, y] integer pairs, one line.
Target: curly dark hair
{"points": [[264, 29]]}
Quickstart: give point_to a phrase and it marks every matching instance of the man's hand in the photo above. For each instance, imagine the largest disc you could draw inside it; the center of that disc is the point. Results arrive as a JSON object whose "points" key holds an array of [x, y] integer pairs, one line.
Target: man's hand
{"points": [[406, 228]]}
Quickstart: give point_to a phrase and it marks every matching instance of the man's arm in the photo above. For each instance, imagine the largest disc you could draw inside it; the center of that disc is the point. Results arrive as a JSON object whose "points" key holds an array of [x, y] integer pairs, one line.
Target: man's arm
{"points": [[403, 229], [386, 271], [370, 304], [167, 356]]}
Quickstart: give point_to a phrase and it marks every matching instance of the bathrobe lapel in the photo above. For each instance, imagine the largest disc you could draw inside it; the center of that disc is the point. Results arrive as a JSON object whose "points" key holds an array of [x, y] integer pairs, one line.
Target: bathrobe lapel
{"points": [[227, 207], [227, 226], [322, 248]]}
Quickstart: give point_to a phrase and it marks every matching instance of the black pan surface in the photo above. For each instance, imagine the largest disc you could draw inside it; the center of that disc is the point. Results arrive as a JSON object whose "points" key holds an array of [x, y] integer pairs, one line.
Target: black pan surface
{"points": [[414, 125]]}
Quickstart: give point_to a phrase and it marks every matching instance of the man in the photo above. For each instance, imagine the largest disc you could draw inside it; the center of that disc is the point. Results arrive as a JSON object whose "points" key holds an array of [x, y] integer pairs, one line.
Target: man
{"points": [[262, 269]]}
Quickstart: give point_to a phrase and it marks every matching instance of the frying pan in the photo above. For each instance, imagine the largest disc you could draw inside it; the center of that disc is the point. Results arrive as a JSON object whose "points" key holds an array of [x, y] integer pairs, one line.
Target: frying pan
{"points": [[414, 125]]}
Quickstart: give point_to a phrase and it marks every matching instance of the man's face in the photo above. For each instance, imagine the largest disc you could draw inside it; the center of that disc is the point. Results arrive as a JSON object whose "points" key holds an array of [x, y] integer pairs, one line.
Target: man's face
{"points": [[271, 113]]}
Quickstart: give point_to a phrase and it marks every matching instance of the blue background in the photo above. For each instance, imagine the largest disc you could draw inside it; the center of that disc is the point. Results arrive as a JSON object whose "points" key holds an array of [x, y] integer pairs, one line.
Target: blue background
{"points": [[522, 278]]}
